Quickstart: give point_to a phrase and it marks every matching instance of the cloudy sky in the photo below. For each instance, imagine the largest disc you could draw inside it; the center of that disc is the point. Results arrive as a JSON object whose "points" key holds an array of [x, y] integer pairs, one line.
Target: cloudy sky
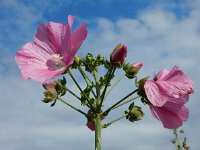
{"points": [[159, 33]]}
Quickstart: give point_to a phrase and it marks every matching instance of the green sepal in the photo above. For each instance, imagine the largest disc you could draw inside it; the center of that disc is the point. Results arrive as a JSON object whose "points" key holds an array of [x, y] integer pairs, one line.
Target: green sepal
{"points": [[135, 113]]}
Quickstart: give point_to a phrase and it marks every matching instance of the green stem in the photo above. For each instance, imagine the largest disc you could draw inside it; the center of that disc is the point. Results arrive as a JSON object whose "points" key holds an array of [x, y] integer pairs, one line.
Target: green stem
{"points": [[107, 82], [177, 144], [98, 132], [98, 114], [72, 93], [126, 102], [97, 84], [92, 108], [114, 85], [84, 74], [73, 107], [86, 78], [109, 109], [115, 120]]}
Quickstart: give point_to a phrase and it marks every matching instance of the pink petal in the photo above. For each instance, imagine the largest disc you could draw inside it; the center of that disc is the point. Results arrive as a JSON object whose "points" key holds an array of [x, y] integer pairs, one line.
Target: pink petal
{"points": [[175, 88], [53, 37], [138, 65], [176, 75], [70, 21], [155, 95], [181, 100], [31, 60], [161, 75], [180, 110], [77, 38], [169, 119]]}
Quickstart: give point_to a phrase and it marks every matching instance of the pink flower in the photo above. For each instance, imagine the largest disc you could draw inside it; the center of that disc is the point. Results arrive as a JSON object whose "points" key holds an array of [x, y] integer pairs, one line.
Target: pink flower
{"points": [[173, 86], [117, 57], [52, 52], [172, 115], [167, 94]]}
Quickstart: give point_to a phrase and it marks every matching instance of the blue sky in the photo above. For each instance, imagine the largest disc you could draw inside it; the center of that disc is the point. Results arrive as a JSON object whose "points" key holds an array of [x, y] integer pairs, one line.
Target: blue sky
{"points": [[159, 33]]}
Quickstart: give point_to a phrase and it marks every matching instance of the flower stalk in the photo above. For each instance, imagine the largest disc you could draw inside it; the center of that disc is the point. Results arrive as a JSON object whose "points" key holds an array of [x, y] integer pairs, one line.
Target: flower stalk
{"points": [[73, 107], [53, 54]]}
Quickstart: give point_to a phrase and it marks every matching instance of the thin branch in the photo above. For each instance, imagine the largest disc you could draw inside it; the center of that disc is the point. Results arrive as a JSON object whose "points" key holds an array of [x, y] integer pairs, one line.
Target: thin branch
{"points": [[114, 85], [72, 93], [109, 109], [126, 102], [113, 121], [107, 82], [92, 108], [73, 107], [86, 78]]}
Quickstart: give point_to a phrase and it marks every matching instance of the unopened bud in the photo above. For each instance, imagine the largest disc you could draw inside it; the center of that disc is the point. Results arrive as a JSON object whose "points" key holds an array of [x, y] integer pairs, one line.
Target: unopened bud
{"points": [[50, 93], [91, 125], [132, 69], [117, 57]]}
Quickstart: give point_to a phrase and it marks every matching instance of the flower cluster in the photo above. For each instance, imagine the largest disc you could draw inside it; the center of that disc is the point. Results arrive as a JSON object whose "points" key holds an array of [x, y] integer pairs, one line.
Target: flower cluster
{"points": [[53, 54]]}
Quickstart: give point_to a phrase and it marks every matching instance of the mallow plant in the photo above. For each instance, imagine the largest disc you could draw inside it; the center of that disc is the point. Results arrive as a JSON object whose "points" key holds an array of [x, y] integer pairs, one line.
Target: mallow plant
{"points": [[52, 56]]}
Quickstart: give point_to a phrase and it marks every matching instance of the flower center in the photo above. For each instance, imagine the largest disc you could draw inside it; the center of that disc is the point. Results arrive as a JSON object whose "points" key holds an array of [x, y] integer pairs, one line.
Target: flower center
{"points": [[55, 62], [57, 59]]}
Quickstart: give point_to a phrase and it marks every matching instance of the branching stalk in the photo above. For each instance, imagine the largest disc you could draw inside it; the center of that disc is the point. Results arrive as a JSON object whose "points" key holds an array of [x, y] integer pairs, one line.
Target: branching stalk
{"points": [[109, 109], [73, 107], [92, 108], [114, 85]]}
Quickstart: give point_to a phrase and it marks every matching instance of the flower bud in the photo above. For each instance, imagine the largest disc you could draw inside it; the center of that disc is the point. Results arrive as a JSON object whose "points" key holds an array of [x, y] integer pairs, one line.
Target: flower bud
{"points": [[117, 57], [132, 69], [50, 93], [141, 90], [91, 125], [135, 114]]}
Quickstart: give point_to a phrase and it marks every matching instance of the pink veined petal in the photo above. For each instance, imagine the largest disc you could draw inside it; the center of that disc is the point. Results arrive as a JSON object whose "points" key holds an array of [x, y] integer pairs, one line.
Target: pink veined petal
{"points": [[154, 94], [175, 88], [181, 100], [170, 73], [77, 38], [178, 109], [176, 75], [58, 35], [161, 75], [41, 39], [168, 118], [51, 36], [31, 60]]}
